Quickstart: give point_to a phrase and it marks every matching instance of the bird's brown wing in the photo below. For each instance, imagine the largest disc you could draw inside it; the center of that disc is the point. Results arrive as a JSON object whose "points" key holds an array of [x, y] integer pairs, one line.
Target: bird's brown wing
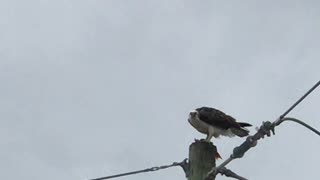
{"points": [[217, 118]]}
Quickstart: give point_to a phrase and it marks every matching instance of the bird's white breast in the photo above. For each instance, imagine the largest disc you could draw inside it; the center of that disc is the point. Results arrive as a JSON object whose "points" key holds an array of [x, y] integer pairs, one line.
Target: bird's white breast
{"points": [[205, 128], [198, 124]]}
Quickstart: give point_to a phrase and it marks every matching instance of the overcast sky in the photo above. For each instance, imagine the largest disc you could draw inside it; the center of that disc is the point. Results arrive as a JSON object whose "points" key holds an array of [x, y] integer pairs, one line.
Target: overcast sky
{"points": [[91, 88]]}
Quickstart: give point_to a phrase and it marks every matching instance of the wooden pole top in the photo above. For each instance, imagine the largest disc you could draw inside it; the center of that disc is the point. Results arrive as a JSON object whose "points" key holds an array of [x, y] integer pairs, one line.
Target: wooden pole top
{"points": [[201, 159]]}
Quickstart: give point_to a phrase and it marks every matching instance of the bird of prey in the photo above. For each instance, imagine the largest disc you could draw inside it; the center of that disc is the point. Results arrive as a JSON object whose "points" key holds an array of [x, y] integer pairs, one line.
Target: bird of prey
{"points": [[214, 123]]}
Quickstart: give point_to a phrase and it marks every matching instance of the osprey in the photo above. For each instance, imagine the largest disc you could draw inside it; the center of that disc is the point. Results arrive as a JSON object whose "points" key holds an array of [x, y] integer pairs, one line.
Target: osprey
{"points": [[214, 123]]}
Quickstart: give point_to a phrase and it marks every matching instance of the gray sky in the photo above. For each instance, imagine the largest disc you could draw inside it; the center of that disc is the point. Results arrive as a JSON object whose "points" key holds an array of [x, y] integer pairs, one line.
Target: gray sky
{"points": [[99, 87]]}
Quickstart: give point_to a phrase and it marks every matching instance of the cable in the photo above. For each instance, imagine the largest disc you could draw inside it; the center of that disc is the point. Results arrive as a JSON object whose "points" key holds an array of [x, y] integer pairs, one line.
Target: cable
{"points": [[182, 164], [251, 141], [299, 100], [229, 173], [301, 123]]}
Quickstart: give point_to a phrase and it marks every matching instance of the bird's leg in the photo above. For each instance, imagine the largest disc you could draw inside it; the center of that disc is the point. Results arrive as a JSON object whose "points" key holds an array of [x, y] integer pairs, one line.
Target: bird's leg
{"points": [[210, 133], [209, 136]]}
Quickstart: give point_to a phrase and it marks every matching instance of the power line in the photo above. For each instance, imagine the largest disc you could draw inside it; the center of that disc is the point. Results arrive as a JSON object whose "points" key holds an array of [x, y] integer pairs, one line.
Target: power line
{"points": [[229, 173], [265, 129], [301, 123], [182, 164], [299, 100]]}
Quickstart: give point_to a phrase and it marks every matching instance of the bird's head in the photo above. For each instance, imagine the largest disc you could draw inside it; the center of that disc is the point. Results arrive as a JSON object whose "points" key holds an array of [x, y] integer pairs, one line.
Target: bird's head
{"points": [[193, 115]]}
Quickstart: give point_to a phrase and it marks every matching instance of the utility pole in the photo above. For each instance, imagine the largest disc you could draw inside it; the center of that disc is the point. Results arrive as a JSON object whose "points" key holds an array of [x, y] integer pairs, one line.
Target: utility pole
{"points": [[201, 159]]}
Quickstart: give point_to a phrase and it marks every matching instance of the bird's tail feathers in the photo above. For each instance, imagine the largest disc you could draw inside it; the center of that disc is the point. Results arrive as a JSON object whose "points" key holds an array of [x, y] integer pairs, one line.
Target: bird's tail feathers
{"points": [[243, 124], [242, 132]]}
